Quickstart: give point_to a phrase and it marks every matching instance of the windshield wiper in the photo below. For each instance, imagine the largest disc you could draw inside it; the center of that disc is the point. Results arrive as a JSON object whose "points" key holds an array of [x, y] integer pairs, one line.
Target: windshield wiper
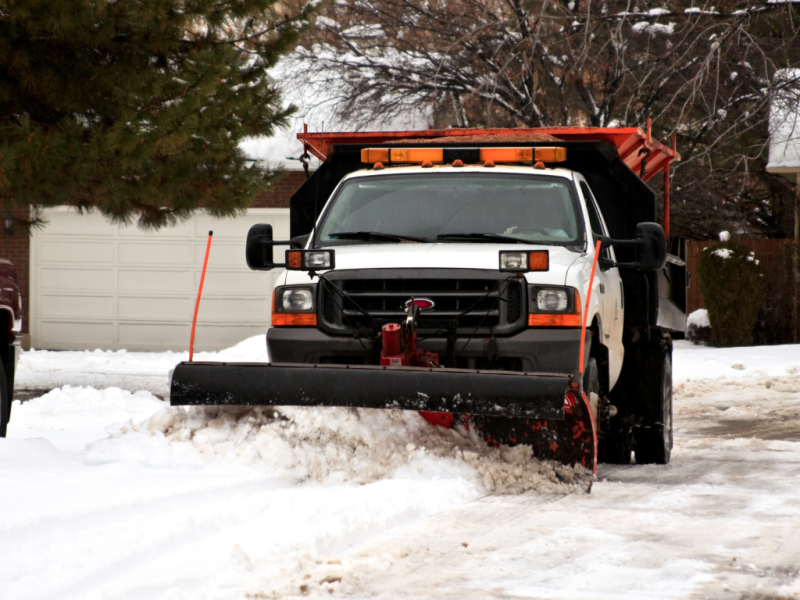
{"points": [[486, 237], [374, 235]]}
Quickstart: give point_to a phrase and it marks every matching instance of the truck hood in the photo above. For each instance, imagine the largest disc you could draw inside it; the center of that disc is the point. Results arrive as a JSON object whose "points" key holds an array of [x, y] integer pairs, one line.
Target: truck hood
{"points": [[444, 256]]}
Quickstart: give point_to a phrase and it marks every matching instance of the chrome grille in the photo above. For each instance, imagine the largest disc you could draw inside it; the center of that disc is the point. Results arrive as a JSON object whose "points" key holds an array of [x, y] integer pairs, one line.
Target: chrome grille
{"points": [[481, 304]]}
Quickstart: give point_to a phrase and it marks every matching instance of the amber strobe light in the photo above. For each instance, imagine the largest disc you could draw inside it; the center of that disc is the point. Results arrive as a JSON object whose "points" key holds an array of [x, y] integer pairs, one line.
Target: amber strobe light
{"points": [[468, 156]]}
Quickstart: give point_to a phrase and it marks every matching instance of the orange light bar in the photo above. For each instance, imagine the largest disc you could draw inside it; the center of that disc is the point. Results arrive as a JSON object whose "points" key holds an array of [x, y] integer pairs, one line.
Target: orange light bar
{"points": [[294, 260], [507, 155], [294, 319], [554, 320], [417, 155], [468, 155], [539, 260], [373, 155], [556, 154]]}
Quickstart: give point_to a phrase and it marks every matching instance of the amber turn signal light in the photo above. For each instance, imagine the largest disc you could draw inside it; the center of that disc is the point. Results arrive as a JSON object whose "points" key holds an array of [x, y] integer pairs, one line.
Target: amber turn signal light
{"points": [[550, 320], [294, 260], [294, 319], [539, 260]]}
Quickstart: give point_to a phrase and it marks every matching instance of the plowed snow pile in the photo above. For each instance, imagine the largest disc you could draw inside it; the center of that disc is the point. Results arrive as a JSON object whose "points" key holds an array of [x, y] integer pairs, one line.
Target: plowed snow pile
{"points": [[355, 445], [111, 493]]}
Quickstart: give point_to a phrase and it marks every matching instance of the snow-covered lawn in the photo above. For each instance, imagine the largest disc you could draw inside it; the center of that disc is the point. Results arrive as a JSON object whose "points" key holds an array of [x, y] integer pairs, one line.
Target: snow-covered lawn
{"points": [[106, 492]]}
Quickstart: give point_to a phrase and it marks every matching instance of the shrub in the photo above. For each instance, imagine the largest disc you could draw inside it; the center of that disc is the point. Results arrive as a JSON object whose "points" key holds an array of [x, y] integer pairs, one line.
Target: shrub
{"points": [[698, 328], [732, 283]]}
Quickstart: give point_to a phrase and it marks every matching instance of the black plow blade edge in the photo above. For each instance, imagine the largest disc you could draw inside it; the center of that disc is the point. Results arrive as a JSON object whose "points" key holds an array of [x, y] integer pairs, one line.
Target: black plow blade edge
{"points": [[490, 393]]}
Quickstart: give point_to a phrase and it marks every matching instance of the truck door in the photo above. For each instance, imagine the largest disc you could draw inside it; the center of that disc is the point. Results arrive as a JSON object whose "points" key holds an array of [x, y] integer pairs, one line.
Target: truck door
{"points": [[611, 288]]}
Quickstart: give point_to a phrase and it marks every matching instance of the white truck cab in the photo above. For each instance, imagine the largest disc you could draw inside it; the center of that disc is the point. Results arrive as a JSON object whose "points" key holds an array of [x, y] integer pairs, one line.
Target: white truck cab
{"points": [[429, 220], [518, 285]]}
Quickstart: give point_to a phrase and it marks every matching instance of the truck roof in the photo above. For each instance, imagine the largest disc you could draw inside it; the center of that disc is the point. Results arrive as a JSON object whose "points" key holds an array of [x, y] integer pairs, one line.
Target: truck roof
{"points": [[368, 171], [635, 147]]}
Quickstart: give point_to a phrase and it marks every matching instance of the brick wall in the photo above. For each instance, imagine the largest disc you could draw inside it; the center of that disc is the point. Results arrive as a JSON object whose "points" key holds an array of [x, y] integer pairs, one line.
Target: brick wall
{"points": [[17, 248], [282, 190]]}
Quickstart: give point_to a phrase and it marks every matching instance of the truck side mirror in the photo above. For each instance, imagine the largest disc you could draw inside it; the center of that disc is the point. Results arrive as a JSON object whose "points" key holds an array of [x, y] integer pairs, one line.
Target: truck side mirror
{"points": [[651, 245], [258, 250]]}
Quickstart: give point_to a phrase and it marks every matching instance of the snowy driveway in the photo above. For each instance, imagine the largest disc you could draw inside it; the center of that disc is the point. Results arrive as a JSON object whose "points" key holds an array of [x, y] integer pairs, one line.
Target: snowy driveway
{"points": [[105, 493]]}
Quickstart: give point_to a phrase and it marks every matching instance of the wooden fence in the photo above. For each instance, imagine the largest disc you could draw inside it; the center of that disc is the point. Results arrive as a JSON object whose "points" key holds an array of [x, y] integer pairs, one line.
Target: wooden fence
{"points": [[779, 313]]}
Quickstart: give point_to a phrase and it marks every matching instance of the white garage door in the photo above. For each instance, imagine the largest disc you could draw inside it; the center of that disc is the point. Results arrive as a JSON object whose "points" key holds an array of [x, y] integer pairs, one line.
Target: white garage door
{"points": [[98, 285]]}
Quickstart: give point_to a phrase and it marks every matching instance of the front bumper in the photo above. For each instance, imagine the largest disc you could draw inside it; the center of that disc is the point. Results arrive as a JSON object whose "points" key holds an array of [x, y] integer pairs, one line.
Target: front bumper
{"points": [[541, 350]]}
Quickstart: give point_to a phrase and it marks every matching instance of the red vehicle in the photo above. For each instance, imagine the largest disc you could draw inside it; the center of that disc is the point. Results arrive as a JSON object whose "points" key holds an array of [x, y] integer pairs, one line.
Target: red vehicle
{"points": [[10, 337]]}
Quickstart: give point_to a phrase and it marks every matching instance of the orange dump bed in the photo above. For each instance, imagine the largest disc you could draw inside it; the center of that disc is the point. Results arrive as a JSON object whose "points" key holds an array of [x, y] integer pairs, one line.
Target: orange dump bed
{"points": [[644, 155]]}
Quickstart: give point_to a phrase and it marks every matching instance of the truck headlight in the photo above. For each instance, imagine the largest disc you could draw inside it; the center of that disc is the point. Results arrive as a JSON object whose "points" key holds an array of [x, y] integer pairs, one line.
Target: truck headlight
{"points": [[552, 300], [294, 306], [551, 306], [297, 300]]}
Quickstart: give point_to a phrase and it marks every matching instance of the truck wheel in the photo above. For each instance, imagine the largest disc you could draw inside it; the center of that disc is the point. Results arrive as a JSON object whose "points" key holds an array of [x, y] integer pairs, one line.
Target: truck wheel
{"points": [[5, 402], [591, 378], [613, 447], [654, 440]]}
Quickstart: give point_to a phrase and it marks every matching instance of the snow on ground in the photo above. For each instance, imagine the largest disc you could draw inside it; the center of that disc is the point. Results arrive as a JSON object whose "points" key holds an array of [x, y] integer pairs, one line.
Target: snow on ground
{"points": [[133, 371], [110, 493]]}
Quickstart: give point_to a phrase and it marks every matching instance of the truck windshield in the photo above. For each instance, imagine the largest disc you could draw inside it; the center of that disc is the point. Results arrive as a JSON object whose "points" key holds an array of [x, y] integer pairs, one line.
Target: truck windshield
{"points": [[439, 207]]}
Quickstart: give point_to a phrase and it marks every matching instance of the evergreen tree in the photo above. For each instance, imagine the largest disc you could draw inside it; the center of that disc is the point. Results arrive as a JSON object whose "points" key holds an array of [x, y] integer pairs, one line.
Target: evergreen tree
{"points": [[136, 107]]}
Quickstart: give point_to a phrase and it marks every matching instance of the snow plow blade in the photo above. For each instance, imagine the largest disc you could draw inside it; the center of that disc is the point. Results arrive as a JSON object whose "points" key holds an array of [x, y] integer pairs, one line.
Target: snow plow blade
{"points": [[497, 393]]}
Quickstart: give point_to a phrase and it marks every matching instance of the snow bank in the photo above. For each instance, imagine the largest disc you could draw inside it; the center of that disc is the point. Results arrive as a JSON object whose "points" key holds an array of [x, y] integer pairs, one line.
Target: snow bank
{"points": [[357, 445], [132, 371], [71, 417], [692, 362]]}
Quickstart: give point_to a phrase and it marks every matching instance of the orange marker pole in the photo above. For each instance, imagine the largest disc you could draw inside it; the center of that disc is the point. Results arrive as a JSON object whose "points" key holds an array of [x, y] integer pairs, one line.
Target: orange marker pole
{"points": [[200, 292], [588, 298]]}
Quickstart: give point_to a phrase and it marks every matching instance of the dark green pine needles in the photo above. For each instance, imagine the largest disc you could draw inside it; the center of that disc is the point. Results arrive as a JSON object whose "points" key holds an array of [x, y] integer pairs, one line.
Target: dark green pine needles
{"points": [[137, 107]]}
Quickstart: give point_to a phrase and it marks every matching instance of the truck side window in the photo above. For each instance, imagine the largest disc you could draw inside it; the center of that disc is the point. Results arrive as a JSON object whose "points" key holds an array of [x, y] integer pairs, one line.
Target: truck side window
{"points": [[594, 217]]}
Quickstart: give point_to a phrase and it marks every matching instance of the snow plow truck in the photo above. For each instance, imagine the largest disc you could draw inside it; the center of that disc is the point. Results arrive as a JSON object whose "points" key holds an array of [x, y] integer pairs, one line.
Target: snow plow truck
{"points": [[511, 281]]}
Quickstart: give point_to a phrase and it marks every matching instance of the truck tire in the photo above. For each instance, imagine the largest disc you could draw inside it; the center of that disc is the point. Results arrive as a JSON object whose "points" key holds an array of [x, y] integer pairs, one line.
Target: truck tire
{"points": [[612, 447], [5, 402], [654, 438], [591, 378]]}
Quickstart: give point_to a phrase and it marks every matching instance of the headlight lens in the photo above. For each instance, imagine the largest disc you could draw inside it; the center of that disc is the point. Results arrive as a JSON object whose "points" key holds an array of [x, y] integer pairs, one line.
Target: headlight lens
{"points": [[298, 300], [552, 300], [513, 261], [318, 260]]}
